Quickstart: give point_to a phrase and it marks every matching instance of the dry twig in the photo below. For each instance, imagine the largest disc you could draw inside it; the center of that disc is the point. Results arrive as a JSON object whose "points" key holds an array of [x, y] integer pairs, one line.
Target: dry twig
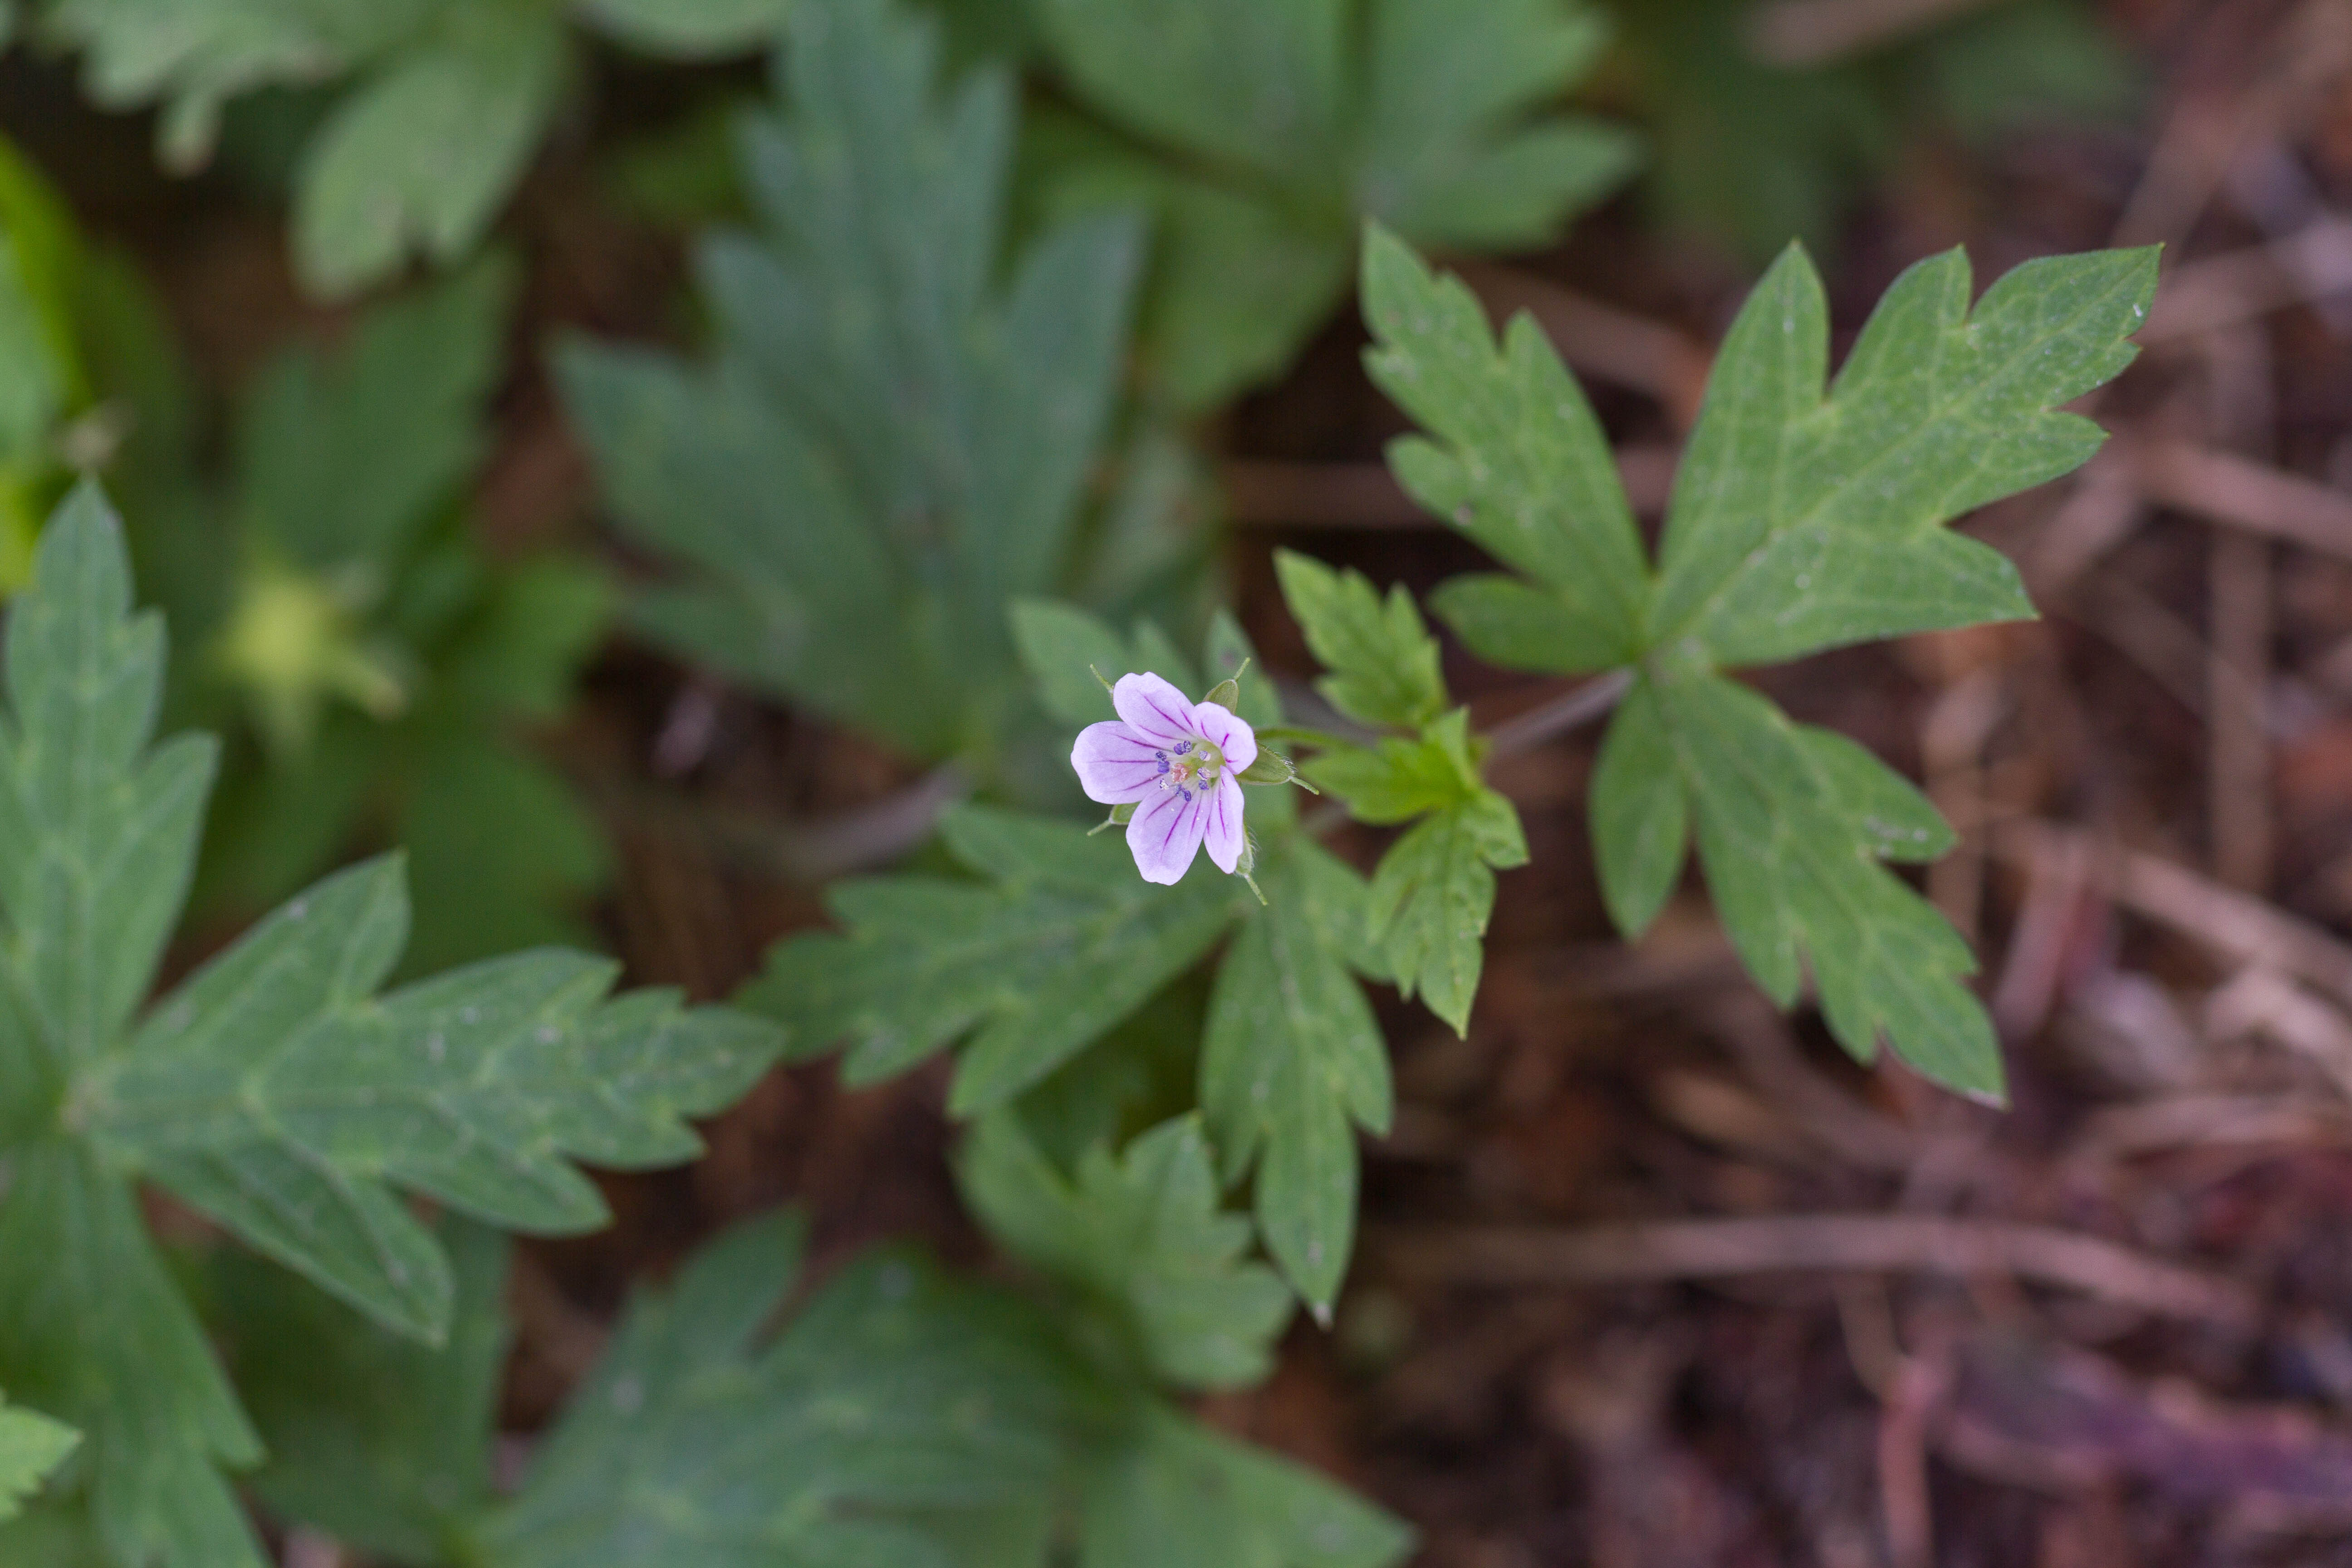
{"points": [[1850, 1242]]}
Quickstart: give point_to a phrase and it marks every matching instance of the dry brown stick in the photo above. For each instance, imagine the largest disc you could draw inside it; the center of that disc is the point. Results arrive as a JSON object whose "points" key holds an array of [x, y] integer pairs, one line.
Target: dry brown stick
{"points": [[1263, 493], [2233, 924], [2238, 286], [1852, 1243], [2256, 497]]}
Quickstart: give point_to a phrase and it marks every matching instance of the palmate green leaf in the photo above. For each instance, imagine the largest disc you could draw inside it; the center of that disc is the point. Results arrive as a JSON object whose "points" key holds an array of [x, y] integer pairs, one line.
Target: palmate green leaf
{"points": [[1516, 460], [690, 28], [420, 157], [1258, 132], [1799, 524], [343, 458], [1793, 823], [1293, 1062], [31, 1448], [381, 1441], [1062, 646], [1430, 899], [1432, 895], [1383, 660], [898, 1419], [440, 104], [1141, 1235], [1749, 152], [386, 662], [94, 1332], [1061, 943], [1176, 1494], [271, 1090], [895, 1407], [892, 445], [275, 1091], [1803, 517]]}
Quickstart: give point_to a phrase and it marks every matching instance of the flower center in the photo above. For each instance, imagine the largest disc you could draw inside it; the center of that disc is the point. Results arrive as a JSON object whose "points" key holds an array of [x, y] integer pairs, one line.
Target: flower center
{"points": [[1189, 765]]}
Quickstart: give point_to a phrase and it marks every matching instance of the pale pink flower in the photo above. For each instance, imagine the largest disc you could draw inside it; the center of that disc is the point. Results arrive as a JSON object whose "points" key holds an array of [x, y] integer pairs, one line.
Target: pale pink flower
{"points": [[1178, 762]]}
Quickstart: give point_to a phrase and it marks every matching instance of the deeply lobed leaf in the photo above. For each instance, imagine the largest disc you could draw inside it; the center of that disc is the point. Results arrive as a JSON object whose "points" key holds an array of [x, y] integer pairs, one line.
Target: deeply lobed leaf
{"points": [[1141, 1234], [1293, 1062], [1255, 134], [890, 446], [1804, 517], [1062, 942], [273, 1088]]}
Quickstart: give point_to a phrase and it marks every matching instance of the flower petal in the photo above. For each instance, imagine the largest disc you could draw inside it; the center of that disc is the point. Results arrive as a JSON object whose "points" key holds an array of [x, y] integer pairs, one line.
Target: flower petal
{"points": [[1115, 764], [1154, 709], [1165, 832], [1230, 731], [1223, 835]]}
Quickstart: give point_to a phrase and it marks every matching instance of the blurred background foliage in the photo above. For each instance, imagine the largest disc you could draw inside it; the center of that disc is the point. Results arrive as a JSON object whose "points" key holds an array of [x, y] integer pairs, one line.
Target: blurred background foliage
{"points": [[922, 309]]}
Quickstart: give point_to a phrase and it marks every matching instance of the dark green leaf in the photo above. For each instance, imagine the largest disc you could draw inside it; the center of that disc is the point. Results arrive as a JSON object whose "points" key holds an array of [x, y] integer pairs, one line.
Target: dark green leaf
{"points": [[1258, 135], [343, 458], [893, 1413], [689, 28], [1175, 1494], [1141, 1234], [889, 449], [1793, 823], [94, 1332], [1293, 1062], [1518, 462], [419, 158], [1799, 524], [1062, 942], [275, 1091], [380, 1441]]}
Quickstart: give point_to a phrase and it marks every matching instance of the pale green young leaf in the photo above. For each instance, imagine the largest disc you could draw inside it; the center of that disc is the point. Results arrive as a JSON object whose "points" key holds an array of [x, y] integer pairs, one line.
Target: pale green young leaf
{"points": [[891, 445], [1381, 660], [418, 159], [1177, 1494], [1293, 1062], [1431, 896], [1791, 825], [1140, 1234], [1258, 135], [276, 1091], [94, 1332], [1061, 943], [32, 382], [1516, 460], [1800, 521], [384, 1443], [892, 1413], [1395, 780], [31, 1448]]}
